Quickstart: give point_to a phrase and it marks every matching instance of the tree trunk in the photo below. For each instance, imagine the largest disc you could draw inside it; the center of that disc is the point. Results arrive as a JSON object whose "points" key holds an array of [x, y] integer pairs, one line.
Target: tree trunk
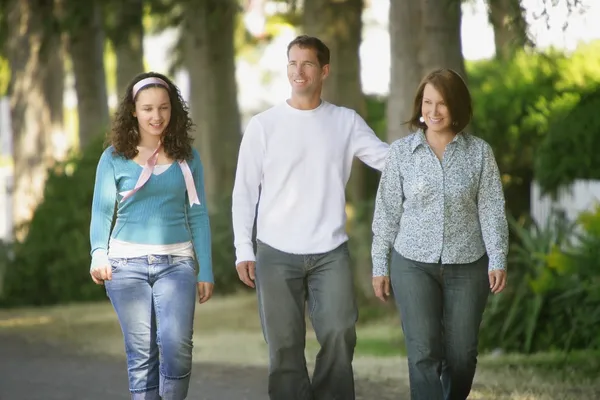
{"points": [[54, 88], [338, 23], [441, 36], [128, 42], [30, 112], [510, 28], [209, 57], [86, 47], [406, 71]]}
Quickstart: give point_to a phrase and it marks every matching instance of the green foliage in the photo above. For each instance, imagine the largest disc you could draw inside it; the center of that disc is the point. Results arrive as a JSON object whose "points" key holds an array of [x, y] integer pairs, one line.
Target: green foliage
{"points": [[517, 102], [6, 257], [552, 301], [569, 151], [376, 114], [51, 265]]}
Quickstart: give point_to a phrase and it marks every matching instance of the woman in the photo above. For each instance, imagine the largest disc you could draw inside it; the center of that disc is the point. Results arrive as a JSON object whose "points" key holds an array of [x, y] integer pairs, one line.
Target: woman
{"points": [[440, 213], [147, 262]]}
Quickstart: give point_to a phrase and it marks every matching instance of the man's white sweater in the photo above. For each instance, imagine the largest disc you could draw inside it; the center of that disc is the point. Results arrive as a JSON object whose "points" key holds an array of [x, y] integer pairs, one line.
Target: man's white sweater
{"points": [[299, 161]]}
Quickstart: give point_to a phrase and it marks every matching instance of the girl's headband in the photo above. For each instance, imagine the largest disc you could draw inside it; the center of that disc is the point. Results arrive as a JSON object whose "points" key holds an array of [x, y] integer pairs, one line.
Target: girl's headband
{"points": [[148, 81]]}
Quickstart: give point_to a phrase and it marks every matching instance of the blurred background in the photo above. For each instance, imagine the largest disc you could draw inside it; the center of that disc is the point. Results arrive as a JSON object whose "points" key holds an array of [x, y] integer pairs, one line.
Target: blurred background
{"points": [[533, 67]]}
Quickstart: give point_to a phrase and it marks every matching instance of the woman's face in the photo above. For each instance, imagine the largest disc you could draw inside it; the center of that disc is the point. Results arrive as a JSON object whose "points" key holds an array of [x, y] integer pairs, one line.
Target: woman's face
{"points": [[153, 111], [435, 111]]}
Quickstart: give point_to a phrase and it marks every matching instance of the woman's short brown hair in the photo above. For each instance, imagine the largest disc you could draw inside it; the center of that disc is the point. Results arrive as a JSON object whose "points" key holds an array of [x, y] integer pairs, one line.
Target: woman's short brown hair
{"points": [[455, 93]]}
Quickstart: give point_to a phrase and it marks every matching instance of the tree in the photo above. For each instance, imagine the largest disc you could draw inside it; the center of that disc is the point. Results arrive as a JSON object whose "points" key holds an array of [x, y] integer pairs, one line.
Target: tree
{"points": [[424, 35], [441, 45], [510, 28], [32, 47], [84, 26], [405, 66], [209, 58], [124, 28]]}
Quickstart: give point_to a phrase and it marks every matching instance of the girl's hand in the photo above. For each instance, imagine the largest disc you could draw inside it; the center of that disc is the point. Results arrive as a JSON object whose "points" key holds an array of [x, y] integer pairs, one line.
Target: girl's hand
{"points": [[101, 274], [205, 290]]}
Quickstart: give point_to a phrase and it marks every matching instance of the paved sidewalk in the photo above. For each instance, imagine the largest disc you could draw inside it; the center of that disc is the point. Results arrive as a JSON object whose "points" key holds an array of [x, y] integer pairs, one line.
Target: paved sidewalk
{"points": [[45, 372], [41, 372]]}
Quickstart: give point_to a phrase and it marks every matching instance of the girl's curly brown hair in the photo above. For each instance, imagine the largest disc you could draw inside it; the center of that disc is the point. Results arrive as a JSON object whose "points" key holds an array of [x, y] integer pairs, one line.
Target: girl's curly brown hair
{"points": [[176, 138]]}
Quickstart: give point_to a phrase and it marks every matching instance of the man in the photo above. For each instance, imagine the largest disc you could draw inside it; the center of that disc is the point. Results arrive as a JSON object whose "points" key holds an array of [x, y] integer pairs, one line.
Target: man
{"points": [[299, 153]]}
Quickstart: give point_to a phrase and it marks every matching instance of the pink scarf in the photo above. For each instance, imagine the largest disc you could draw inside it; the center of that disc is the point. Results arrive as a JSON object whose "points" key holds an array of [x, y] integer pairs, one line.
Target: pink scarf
{"points": [[147, 173]]}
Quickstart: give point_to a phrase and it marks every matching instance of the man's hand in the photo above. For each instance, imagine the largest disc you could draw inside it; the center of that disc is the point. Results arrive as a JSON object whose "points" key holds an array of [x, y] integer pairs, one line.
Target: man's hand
{"points": [[101, 274], [381, 286], [497, 280], [205, 290], [245, 271]]}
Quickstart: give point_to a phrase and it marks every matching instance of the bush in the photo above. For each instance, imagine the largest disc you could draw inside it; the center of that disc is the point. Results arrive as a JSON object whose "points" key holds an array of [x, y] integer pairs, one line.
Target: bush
{"points": [[51, 265], [552, 301], [569, 151], [516, 103]]}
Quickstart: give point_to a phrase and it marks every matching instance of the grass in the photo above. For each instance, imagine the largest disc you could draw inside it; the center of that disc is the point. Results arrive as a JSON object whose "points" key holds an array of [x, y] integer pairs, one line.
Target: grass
{"points": [[227, 330]]}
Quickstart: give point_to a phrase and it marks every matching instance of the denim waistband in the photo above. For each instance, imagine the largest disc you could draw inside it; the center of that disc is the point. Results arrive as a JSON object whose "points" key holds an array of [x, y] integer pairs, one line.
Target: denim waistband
{"points": [[153, 259]]}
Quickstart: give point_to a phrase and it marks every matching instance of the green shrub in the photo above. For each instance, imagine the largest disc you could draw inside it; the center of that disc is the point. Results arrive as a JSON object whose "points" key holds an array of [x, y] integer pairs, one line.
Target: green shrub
{"points": [[552, 300], [570, 150], [51, 265], [516, 104]]}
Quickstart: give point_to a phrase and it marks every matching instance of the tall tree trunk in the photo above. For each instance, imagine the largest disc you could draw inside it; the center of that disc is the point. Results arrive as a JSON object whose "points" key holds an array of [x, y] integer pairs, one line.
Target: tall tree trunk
{"points": [[209, 58], [54, 88], [30, 112], [441, 35], [510, 28], [128, 42], [86, 47], [338, 23], [406, 71]]}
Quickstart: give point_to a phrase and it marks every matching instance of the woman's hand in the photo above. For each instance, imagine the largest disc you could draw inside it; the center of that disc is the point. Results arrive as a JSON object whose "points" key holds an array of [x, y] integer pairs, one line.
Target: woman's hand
{"points": [[205, 290], [497, 280], [381, 286], [101, 274]]}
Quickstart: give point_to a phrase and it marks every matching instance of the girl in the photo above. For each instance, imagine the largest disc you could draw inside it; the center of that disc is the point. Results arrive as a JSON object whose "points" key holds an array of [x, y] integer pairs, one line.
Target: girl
{"points": [[154, 178]]}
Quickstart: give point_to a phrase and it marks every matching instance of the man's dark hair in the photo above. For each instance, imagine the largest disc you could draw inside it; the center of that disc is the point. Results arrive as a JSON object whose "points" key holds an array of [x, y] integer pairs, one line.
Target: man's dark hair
{"points": [[311, 42]]}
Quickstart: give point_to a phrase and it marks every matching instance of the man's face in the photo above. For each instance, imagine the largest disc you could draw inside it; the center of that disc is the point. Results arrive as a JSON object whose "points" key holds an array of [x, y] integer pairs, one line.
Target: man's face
{"points": [[304, 72]]}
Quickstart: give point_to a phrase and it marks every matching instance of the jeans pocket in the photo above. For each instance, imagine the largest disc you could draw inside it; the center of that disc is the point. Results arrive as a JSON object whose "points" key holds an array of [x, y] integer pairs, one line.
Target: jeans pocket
{"points": [[184, 261], [116, 263]]}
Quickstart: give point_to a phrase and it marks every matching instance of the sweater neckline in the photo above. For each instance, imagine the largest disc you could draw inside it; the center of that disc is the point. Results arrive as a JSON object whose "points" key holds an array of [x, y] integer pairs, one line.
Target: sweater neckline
{"points": [[305, 112]]}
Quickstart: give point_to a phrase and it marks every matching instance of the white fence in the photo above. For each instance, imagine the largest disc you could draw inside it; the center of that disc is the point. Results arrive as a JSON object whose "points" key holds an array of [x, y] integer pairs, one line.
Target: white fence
{"points": [[580, 196]]}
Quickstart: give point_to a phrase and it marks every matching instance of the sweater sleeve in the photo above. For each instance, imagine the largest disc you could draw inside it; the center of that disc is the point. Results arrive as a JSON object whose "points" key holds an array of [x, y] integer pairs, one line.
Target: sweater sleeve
{"points": [[492, 213], [246, 192], [388, 212], [367, 146], [103, 207], [199, 224]]}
